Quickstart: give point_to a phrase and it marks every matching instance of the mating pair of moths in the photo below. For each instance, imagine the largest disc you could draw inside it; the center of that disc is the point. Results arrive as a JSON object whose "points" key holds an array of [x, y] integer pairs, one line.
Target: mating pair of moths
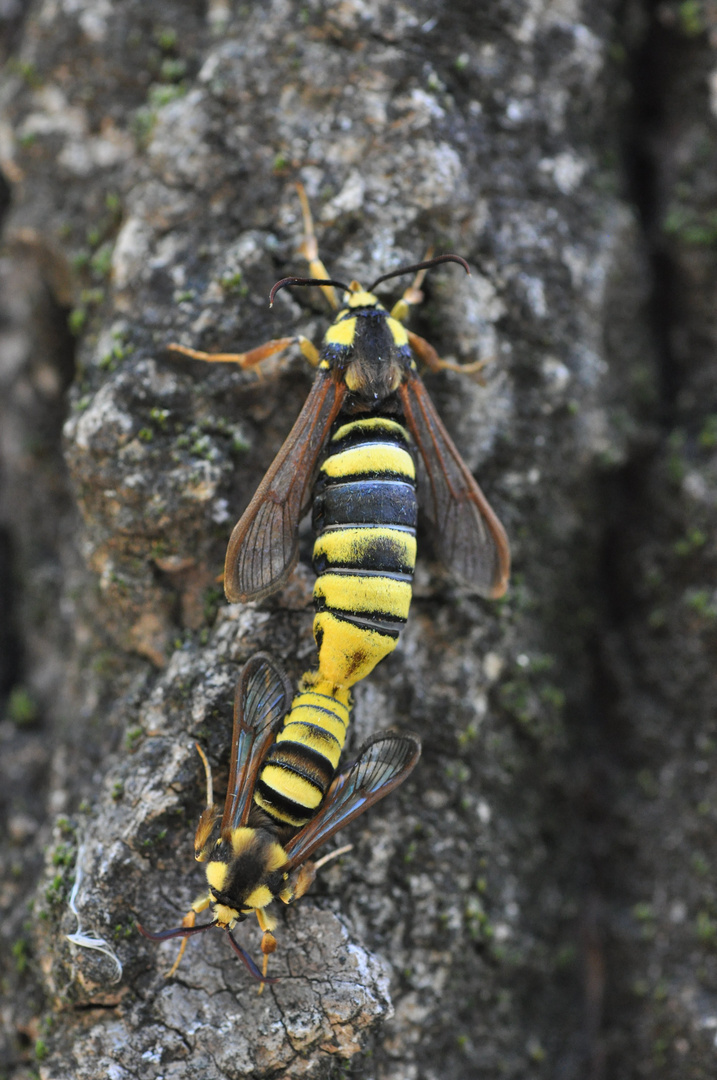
{"points": [[352, 453]]}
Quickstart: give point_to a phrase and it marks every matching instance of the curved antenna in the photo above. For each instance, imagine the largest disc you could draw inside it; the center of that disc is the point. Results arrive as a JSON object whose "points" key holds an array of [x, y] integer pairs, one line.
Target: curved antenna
{"points": [[246, 959], [285, 282], [421, 266], [180, 931]]}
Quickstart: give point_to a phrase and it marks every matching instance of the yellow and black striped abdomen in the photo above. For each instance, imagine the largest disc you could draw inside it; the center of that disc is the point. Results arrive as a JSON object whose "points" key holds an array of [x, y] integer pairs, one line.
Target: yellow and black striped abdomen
{"points": [[365, 549], [301, 763]]}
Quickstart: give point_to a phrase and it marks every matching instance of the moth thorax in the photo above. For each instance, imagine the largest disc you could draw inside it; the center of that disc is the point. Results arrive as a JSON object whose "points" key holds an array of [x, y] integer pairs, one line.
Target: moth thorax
{"points": [[245, 870], [373, 378]]}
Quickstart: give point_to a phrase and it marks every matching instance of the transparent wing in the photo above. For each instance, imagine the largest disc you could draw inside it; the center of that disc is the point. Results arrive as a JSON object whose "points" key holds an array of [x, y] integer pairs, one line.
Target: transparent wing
{"points": [[382, 764], [263, 547], [263, 698], [469, 539]]}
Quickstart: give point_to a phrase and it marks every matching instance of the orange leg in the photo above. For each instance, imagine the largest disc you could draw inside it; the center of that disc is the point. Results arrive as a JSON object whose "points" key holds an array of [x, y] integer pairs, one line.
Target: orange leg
{"points": [[268, 941], [422, 348], [268, 945], [310, 250], [302, 879], [254, 356], [425, 352]]}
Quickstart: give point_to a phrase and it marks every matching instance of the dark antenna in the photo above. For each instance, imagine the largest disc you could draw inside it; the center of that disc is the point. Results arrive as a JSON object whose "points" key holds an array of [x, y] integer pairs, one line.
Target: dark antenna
{"points": [[190, 931], [285, 282], [247, 960], [421, 266], [180, 931]]}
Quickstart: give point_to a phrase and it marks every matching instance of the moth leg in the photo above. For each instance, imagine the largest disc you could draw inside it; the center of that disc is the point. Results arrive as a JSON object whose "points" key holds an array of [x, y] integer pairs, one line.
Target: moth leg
{"points": [[422, 348], [254, 356], [425, 352], [302, 879], [412, 295], [309, 351], [332, 855], [268, 941], [310, 249], [199, 905]]}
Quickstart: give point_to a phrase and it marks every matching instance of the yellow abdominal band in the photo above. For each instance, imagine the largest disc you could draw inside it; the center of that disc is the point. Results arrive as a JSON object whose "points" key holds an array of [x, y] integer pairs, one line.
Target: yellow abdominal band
{"points": [[302, 761]]}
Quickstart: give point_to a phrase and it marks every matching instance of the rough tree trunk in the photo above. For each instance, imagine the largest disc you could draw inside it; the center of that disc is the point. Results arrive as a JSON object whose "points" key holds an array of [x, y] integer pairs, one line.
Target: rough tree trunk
{"points": [[539, 899]]}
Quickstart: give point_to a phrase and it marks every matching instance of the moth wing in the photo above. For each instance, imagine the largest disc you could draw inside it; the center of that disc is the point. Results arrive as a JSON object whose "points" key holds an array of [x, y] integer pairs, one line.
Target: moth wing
{"points": [[469, 538], [383, 763], [262, 700], [263, 547]]}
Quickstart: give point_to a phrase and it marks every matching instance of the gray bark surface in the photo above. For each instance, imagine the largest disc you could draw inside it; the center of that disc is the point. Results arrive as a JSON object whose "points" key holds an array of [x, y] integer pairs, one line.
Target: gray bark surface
{"points": [[539, 899]]}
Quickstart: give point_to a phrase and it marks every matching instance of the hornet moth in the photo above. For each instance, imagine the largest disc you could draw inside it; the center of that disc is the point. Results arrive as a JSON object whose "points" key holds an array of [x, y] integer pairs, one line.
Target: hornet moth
{"points": [[253, 856]]}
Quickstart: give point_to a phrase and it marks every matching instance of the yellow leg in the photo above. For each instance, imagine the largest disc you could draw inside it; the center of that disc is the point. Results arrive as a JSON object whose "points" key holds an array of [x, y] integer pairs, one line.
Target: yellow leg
{"points": [[425, 352], [309, 351], [189, 920], [412, 295], [310, 249]]}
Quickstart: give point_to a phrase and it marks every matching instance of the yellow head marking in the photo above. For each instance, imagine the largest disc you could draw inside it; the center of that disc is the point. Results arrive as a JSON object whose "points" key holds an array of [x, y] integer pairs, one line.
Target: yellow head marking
{"points": [[216, 875], [361, 298], [259, 898]]}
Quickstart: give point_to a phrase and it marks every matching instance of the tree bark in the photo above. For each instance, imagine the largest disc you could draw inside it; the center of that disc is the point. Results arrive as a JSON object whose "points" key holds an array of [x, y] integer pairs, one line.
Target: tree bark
{"points": [[539, 898]]}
